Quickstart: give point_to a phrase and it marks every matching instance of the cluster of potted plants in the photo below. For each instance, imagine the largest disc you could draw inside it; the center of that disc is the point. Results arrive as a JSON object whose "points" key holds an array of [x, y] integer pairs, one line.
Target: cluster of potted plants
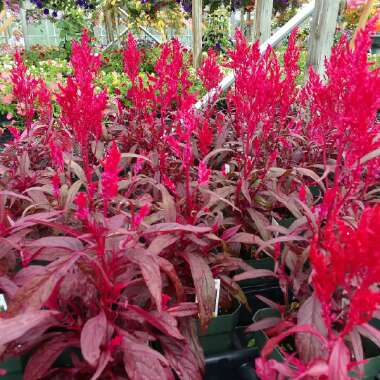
{"points": [[140, 235]]}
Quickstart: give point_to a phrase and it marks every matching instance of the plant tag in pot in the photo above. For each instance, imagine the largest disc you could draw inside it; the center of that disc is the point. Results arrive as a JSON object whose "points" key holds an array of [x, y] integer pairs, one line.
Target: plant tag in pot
{"points": [[3, 304], [217, 291]]}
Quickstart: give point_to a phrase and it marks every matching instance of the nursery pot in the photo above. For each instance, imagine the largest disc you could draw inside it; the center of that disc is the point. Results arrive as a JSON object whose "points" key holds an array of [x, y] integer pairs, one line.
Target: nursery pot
{"points": [[14, 368], [235, 363], [245, 372], [259, 338], [266, 263], [268, 290], [264, 286], [219, 335]]}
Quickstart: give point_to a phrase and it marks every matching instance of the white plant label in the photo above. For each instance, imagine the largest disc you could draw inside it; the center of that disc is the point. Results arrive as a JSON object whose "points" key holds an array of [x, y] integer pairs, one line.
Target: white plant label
{"points": [[217, 295], [217, 289], [3, 304]]}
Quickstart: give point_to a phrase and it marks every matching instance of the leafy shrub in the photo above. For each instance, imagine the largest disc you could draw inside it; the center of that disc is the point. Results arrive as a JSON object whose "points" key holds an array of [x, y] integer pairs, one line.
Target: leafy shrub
{"points": [[216, 35]]}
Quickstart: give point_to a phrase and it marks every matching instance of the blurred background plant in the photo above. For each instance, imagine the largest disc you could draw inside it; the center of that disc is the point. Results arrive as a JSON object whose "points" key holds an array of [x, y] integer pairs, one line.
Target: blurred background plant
{"points": [[351, 14], [217, 30]]}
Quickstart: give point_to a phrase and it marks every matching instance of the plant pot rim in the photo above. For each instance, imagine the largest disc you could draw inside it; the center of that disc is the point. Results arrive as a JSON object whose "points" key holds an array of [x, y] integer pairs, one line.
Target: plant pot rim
{"points": [[229, 315]]}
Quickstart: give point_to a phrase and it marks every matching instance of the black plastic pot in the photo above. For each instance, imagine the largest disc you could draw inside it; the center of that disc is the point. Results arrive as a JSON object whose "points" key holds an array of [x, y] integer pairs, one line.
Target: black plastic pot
{"points": [[219, 335], [270, 290], [244, 372], [259, 338], [266, 263], [262, 286], [14, 368], [237, 363]]}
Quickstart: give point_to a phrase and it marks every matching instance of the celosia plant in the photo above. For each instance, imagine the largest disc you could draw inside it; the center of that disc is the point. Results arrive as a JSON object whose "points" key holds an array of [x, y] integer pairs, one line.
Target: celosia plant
{"points": [[339, 296], [107, 244]]}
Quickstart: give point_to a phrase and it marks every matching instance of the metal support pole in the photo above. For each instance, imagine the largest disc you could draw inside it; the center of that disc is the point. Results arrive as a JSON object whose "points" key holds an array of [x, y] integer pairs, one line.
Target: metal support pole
{"points": [[263, 19], [197, 32], [322, 34]]}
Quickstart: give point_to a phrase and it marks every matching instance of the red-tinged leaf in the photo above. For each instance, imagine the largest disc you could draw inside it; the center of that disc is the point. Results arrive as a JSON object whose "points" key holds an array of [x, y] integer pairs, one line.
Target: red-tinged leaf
{"points": [[31, 220], [235, 290], [243, 237], [77, 170], [270, 369], [283, 325], [36, 336], [33, 295], [172, 227], [245, 191], [219, 195], [315, 371], [270, 303], [230, 232], [281, 239], [261, 223], [339, 361], [104, 359], [13, 328], [72, 193], [161, 242], [370, 332], [204, 286], [253, 273], [168, 268], [8, 286], [41, 361], [287, 202], [150, 268], [215, 152], [312, 174], [357, 346], [38, 197], [12, 194], [56, 226], [184, 309], [309, 347], [92, 337], [168, 205], [3, 372], [65, 242], [273, 342], [190, 332], [27, 274], [263, 324], [162, 321], [115, 222], [7, 246], [142, 362], [181, 358]]}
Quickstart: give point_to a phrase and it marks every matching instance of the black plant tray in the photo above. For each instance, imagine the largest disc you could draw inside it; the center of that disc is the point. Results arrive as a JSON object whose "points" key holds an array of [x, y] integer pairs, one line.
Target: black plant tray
{"points": [[244, 372], [236, 364]]}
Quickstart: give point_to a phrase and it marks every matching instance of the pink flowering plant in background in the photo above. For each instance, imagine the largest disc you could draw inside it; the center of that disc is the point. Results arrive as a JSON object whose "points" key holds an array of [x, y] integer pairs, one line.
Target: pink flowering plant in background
{"points": [[355, 3], [117, 214]]}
